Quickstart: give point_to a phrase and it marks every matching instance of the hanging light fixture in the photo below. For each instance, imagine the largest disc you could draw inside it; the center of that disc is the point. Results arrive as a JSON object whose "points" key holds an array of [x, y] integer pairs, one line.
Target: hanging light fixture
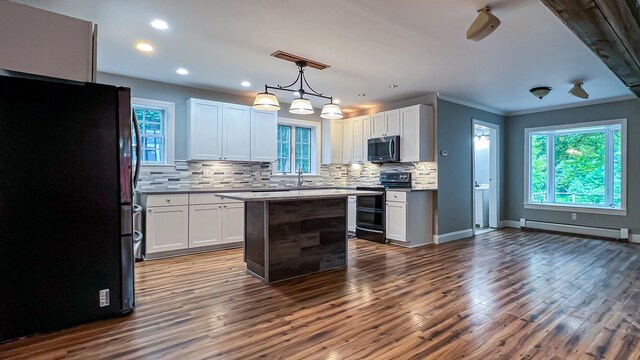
{"points": [[300, 105]]}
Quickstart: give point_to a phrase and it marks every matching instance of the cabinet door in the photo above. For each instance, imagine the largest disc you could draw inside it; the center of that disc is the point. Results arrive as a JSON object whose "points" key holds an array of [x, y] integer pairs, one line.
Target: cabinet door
{"points": [[236, 127], [347, 142], [392, 118], [205, 130], [264, 133], [167, 228], [396, 221], [205, 225], [366, 135], [336, 141], [351, 214], [232, 223], [410, 134], [358, 139], [378, 125]]}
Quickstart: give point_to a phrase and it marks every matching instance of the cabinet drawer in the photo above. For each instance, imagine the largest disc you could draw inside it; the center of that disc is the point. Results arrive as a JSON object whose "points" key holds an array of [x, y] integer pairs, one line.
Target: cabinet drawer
{"points": [[167, 200], [204, 199], [399, 196]]}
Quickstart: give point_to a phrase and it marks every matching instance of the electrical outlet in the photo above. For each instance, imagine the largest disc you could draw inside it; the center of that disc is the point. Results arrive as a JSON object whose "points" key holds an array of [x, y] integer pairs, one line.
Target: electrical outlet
{"points": [[104, 297], [574, 216]]}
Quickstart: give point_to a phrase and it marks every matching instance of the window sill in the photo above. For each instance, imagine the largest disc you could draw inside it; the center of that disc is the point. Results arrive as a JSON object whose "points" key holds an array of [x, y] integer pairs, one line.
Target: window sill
{"points": [[577, 209], [295, 176]]}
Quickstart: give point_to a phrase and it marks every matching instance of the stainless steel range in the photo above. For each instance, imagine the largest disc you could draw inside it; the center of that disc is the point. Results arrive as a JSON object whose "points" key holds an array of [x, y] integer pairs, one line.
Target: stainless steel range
{"points": [[370, 210]]}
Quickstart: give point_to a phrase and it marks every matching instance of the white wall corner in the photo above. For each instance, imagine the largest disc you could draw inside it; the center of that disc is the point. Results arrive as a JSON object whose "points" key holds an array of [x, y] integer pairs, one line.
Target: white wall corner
{"points": [[510, 224], [452, 236]]}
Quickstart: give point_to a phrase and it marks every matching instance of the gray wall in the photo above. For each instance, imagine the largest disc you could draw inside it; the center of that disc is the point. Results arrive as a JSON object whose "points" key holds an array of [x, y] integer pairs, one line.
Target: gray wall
{"points": [[455, 174], [629, 109], [179, 95]]}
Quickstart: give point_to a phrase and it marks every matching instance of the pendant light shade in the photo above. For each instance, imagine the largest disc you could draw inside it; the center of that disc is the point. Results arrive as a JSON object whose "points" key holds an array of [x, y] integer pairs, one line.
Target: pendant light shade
{"points": [[331, 111], [301, 106], [266, 101]]}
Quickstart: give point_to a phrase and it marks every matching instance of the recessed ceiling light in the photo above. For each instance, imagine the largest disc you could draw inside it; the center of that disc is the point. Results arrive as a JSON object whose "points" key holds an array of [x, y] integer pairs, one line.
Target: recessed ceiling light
{"points": [[245, 83], [182, 71], [393, 86], [160, 24], [362, 94], [336, 101], [142, 46]]}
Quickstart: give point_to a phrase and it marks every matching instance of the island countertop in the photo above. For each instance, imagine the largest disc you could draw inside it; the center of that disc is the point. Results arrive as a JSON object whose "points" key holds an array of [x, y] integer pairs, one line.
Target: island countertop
{"points": [[295, 194]]}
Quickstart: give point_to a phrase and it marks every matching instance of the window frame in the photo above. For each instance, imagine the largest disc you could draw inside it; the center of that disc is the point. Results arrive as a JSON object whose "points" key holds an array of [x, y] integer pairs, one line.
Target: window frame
{"points": [[315, 141], [169, 127], [573, 129]]}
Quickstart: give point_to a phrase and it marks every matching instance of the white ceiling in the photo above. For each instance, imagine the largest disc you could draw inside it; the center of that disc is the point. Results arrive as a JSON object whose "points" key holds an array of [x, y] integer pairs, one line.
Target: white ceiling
{"points": [[370, 44]]}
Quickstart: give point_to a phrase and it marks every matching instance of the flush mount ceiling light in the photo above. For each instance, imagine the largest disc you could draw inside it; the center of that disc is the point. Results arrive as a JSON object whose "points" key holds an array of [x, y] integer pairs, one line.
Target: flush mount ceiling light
{"points": [[578, 91], [159, 24], [540, 91], [484, 24], [301, 105]]}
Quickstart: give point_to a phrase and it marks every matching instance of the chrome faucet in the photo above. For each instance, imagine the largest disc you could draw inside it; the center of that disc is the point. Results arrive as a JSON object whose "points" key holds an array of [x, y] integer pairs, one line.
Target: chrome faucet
{"points": [[301, 180]]}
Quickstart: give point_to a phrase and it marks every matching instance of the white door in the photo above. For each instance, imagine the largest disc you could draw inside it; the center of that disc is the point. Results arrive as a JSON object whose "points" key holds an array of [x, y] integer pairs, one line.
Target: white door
{"points": [[264, 133], [358, 139], [396, 217], [378, 125], [205, 225], [392, 118], [366, 135], [205, 130], [236, 128], [232, 223], [347, 142], [351, 214], [336, 141], [167, 228], [410, 134]]}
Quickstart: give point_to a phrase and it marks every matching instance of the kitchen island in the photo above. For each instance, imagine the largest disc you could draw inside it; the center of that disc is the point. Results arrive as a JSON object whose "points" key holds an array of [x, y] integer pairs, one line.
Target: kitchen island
{"points": [[294, 233]]}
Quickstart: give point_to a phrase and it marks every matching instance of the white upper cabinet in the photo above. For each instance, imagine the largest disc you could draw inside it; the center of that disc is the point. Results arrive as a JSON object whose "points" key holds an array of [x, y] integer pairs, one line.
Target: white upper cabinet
{"points": [[205, 130], [358, 140], [366, 135], [236, 129], [416, 133], [347, 142], [264, 135], [332, 141], [385, 123]]}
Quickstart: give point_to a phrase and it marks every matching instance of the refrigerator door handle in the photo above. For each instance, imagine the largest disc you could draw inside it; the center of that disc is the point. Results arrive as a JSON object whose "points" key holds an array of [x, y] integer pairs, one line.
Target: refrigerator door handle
{"points": [[136, 174]]}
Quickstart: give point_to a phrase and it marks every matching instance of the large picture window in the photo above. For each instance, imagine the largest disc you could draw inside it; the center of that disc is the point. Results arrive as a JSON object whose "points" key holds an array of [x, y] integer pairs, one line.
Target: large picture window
{"points": [[577, 166]]}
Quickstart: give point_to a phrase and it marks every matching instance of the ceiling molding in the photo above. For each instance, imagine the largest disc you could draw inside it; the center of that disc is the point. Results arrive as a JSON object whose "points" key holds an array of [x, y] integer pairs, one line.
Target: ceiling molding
{"points": [[471, 104], [573, 105]]}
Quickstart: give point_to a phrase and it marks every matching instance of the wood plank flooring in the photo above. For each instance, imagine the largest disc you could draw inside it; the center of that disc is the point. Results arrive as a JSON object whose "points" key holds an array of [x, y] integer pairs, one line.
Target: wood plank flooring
{"points": [[506, 294]]}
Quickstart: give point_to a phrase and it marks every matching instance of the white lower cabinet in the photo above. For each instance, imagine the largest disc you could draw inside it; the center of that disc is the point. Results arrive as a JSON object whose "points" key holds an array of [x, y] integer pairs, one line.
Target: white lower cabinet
{"points": [[351, 214], [205, 225], [409, 217], [233, 223], [167, 228], [396, 221], [200, 220]]}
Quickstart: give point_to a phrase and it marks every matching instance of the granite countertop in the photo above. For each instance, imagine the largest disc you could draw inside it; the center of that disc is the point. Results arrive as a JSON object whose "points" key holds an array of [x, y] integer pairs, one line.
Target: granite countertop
{"points": [[414, 189], [234, 190], [295, 194]]}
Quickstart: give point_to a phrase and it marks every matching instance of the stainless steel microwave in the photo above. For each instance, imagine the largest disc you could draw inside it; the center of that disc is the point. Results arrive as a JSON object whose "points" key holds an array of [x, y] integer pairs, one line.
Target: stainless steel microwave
{"points": [[384, 149]]}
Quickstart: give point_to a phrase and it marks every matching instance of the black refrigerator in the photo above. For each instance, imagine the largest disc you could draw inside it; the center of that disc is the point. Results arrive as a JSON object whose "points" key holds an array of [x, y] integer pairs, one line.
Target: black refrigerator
{"points": [[66, 253]]}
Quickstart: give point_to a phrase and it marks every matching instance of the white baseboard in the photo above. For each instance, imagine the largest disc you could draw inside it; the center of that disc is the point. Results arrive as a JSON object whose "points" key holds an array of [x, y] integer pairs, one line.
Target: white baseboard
{"points": [[510, 224], [634, 238], [452, 236]]}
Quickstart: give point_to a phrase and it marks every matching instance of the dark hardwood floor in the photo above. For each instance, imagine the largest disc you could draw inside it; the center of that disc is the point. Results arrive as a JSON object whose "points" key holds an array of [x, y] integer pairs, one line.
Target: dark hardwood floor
{"points": [[507, 294]]}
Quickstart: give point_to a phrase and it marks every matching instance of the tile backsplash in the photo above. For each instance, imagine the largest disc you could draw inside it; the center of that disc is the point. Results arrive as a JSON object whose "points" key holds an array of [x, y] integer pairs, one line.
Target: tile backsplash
{"points": [[225, 174]]}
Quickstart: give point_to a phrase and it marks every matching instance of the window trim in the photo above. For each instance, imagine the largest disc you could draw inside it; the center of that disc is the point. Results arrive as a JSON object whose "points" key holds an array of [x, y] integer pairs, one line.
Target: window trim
{"points": [[622, 211], [316, 140], [169, 136]]}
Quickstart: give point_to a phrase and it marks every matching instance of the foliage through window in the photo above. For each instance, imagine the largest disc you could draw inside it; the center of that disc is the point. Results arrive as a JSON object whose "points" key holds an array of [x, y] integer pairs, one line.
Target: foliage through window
{"points": [[152, 122], [576, 166], [294, 149]]}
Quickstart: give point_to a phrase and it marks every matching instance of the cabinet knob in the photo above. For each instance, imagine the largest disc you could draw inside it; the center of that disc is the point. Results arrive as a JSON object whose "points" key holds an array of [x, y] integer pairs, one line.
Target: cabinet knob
{"points": [[224, 206], [150, 211], [168, 200]]}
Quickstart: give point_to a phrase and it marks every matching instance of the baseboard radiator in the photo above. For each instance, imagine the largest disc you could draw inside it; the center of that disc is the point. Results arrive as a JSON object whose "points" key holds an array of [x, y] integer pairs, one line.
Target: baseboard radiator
{"points": [[576, 229]]}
